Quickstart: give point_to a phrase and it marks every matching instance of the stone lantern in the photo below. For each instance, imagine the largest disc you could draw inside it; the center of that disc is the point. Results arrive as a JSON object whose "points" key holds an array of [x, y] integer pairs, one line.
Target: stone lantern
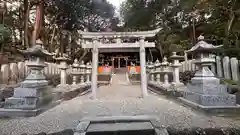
{"points": [[82, 67], [88, 73], [157, 71], [175, 65], [75, 71], [36, 65], [151, 71], [165, 70], [31, 95], [205, 90], [63, 66]]}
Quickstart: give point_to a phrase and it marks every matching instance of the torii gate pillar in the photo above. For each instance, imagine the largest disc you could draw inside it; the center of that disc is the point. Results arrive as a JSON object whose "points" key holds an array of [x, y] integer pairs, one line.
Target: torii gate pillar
{"points": [[94, 82], [143, 68]]}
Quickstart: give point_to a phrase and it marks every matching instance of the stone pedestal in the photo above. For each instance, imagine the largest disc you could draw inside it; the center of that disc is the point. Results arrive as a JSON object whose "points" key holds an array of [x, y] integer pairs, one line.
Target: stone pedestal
{"points": [[33, 93], [206, 91]]}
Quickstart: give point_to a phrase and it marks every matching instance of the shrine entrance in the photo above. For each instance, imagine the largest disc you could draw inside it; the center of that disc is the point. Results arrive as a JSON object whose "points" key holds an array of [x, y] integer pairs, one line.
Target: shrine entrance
{"points": [[110, 42], [119, 62]]}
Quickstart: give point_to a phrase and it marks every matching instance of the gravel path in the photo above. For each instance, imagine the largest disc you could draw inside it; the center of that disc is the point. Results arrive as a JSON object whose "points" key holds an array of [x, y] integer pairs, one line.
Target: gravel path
{"points": [[115, 100]]}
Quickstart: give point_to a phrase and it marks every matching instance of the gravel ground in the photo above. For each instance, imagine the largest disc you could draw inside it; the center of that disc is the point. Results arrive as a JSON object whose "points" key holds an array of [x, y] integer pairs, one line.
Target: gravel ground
{"points": [[115, 100]]}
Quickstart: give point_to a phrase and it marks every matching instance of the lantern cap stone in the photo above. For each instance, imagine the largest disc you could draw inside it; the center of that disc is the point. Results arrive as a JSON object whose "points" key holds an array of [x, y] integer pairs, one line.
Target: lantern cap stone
{"points": [[165, 62], [62, 59], [75, 63], [82, 64], [203, 46], [157, 63]]}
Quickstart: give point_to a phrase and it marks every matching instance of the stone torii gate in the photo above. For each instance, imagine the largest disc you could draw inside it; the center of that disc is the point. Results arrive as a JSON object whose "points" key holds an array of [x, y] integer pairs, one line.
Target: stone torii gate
{"points": [[95, 45]]}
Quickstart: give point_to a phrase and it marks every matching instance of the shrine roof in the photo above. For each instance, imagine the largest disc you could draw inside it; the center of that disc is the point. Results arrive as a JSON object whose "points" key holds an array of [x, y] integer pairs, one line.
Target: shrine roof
{"points": [[137, 34]]}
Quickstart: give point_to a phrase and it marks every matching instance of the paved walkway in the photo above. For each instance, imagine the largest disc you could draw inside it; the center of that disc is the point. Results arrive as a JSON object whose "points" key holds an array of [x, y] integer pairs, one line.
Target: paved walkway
{"points": [[115, 100], [119, 88]]}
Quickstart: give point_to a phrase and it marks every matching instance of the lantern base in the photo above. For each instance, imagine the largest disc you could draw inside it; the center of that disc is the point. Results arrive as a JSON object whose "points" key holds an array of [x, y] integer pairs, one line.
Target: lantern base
{"points": [[211, 109]]}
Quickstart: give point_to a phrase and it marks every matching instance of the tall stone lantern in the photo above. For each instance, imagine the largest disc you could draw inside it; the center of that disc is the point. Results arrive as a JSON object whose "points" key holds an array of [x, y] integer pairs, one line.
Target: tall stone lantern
{"points": [[205, 90], [175, 65], [82, 67], [75, 72], [165, 70], [63, 66], [31, 94], [36, 65], [158, 71], [151, 71], [88, 72]]}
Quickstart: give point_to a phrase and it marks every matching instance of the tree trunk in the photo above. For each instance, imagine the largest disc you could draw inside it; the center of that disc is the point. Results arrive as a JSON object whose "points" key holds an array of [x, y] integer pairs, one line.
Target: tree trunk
{"points": [[61, 45], [26, 17], [38, 23], [84, 54], [51, 42]]}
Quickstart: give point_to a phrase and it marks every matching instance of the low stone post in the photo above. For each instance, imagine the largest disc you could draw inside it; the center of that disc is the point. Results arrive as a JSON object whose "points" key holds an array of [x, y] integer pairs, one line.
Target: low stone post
{"points": [[82, 73], [175, 65], [157, 71], [75, 72], [88, 72]]}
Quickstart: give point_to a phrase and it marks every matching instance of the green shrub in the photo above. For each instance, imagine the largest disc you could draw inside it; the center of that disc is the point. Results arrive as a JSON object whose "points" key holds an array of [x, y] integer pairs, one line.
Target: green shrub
{"points": [[228, 81], [186, 76]]}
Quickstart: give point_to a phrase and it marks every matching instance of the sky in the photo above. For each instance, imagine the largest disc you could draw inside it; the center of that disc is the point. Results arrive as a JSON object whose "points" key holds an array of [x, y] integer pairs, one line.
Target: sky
{"points": [[116, 3]]}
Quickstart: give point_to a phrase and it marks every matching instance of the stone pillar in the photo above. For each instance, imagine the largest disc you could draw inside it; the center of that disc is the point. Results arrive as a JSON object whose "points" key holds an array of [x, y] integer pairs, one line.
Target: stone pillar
{"points": [[94, 68], [226, 67], [219, 67], [143, 68], [234, 69]]}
